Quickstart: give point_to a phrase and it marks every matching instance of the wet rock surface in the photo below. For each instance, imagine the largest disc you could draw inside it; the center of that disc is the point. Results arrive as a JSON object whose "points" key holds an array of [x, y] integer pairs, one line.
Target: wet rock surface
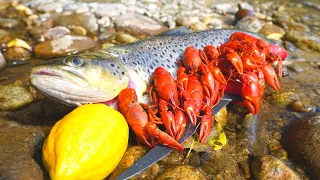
{"points": [[139, 25], [20, 151], [182, 172], [63, 46], [304, 39], [302, 141], [14, 96], [131, 155], [85, 20], [269, 167]]}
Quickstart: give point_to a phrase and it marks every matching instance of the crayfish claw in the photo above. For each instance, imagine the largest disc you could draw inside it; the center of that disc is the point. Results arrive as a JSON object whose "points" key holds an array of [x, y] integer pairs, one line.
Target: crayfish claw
{"points": [[206, 123], [252, 104], [180, 123], [162, 137], [236, 61], [271, 77]]}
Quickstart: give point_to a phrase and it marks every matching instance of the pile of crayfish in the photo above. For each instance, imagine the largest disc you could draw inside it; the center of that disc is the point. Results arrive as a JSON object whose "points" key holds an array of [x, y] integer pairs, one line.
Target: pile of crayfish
{"points": [[240, 66]]}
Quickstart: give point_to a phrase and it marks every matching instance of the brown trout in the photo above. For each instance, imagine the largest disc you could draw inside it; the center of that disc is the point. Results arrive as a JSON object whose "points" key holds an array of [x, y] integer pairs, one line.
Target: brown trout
{"points": [[99, 76]]}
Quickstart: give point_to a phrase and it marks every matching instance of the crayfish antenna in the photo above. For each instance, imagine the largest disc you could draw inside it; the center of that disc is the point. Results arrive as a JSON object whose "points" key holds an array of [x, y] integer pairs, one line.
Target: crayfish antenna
{"points": [[162, 137]]}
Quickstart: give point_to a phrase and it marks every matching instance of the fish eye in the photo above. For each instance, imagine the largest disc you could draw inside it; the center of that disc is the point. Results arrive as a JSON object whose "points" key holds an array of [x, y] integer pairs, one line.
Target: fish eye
{"points": [[75, 61]]}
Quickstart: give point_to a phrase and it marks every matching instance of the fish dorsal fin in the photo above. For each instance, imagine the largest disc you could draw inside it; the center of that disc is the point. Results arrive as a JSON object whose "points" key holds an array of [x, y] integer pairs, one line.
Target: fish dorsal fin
{"points": [[176, 31]]}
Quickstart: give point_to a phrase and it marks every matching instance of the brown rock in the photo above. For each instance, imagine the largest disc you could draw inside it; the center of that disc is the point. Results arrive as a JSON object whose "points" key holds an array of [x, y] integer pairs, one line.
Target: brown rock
{"points": [[139, 25], [17, 53], [242, 13], [270, 168], [63, 46], [302, 141], [131, 155], [20, 152], [182, 172]]}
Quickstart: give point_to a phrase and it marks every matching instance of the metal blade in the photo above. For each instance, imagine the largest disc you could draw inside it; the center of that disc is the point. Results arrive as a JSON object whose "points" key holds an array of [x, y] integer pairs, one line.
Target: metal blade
{"points": [[160, 151]]}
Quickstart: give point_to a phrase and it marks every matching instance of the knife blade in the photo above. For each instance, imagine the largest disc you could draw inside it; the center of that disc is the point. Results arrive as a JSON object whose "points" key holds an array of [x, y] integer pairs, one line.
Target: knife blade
{"points": [[160, 151]]}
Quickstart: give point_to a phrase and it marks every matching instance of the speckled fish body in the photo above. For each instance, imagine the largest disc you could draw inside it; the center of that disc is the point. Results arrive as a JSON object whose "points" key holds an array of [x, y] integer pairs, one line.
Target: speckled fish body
{"points": [[100, 76]]}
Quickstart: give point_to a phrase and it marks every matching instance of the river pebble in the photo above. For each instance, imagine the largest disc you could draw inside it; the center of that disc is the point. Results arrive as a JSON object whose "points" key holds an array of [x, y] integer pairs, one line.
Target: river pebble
{"points": [[55, 33], [125, 38], [304, 39], [63, 46], [110, 9], [132, 154], [17, 53], [243, 13], [85, 20], [9, 23], [250, 24], [300, 106], [182, 172], [14, 96], [2, 62], [302, 141], [80, 31], [272, 31], [20, 152], [139, 25], [269, 167], [292, 25], [174, 158]]}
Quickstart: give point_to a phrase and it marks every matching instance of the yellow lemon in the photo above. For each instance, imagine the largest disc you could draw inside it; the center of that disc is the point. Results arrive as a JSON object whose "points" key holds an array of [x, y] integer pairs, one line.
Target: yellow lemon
{"points": [[88, 143]]}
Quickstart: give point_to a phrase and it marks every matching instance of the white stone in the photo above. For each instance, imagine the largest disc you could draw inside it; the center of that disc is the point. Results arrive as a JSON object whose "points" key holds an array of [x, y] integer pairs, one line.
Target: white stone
{"points": [[110, 9]]}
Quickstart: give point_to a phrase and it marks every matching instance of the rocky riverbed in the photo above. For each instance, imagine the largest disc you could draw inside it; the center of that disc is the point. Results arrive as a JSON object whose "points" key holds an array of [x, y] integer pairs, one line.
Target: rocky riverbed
{"points": [[282, 143]]}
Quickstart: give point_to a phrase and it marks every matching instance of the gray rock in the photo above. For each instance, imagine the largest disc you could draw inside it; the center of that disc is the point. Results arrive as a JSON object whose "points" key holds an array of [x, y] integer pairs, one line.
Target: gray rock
{"points": [[302, 141], [14, 96], [110, 9], [139, 25], [9, 23], [182, 172], [51, 7], [63, 46], [304, 39], [85, 20], [292, 25], [55, 33], [268, 167], [21, 152], [250, 24]]}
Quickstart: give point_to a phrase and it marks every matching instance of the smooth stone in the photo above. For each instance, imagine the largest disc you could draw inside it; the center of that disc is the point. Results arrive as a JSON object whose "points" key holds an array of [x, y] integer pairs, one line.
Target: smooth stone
{"points": [[182, 172], [304, 40], [104, 21], [80, 31], [2, 62], [21, 152], [107, 34], [14, 96], [132, 154], [269, 167], [243, 13], [63, 46], [187, 20], [37, 32], [292, 25], [55, 33], [51, 7], [272, 31], [174, 158], [300, 106], [125, 38], [9, 23], [85, 20], [222, 116], [17, 53], [139, 25], [250, 24], [199, 26], [302, 141], [282, 99], [110, 9]]}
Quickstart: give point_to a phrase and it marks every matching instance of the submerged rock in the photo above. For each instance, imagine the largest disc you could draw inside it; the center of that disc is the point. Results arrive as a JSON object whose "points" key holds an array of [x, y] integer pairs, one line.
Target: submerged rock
{"points": [[304, 39], [250, 24], [14, 96], [64, 46], [182, 172], [139, 25], [20, 152], [55, 33], [85, 20], [272, 31], [243, 13], [132, 154], [17, 53], [269, 167], [2, 62], [302, 141]]}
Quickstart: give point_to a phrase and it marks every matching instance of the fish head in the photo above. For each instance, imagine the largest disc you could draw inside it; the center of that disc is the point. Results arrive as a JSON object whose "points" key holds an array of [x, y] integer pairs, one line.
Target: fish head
{"points": [[81, 79]]}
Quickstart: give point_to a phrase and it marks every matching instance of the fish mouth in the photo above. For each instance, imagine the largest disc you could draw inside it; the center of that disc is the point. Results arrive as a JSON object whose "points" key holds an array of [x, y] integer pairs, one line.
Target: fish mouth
{"points": [[61, 74]]}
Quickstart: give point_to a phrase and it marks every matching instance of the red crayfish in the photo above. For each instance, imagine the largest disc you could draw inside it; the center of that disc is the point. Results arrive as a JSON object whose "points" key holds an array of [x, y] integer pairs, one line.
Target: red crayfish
{"points": [[240, 66]]}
